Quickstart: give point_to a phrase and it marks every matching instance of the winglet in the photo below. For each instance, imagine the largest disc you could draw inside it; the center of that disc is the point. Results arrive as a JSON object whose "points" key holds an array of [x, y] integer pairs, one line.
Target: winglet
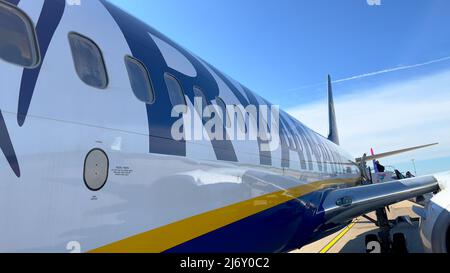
{"points": [[333, 131]]}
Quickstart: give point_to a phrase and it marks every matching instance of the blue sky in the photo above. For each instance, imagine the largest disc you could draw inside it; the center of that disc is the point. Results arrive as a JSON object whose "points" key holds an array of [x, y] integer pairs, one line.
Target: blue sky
{"points": [[294, 43], [283, 50]]}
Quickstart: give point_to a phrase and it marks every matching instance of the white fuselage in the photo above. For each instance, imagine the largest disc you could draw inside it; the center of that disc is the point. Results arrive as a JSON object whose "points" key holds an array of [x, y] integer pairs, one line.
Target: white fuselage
{"points": [[49, 208]]}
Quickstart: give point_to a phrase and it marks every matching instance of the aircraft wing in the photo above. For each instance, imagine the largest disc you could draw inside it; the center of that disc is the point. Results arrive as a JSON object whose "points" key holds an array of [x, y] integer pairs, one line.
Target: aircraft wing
{"points": [[377, 156], [342, 205]]}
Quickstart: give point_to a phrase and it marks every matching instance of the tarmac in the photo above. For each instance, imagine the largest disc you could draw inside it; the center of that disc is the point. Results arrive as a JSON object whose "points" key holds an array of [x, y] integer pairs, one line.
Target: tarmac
{"points": [[351, 239]]}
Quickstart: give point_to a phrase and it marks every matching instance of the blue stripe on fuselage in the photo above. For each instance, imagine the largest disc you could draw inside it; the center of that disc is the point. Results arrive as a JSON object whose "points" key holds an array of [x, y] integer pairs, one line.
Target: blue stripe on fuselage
{"points": [[265, 157], [280, 229], [50, 17], [7, 147], [159, 113]]}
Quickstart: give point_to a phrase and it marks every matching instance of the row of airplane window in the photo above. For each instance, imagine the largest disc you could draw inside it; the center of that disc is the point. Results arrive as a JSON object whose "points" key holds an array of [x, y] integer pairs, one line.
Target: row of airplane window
{"points": [[20, 47], [90, 67]]}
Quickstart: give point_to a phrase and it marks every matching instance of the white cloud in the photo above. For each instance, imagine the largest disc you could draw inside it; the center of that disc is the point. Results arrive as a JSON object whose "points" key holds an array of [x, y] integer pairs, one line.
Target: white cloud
{"points": [[389, 117]]}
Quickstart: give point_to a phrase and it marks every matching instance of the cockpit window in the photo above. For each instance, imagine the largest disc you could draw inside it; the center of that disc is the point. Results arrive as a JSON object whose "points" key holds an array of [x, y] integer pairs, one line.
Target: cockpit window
{"points": [[140, 80], [18, 43], [88, 60]]}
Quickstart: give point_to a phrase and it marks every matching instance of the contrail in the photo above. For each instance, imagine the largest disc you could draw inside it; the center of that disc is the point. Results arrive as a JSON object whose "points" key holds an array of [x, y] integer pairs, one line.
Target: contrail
{"points": [[392, 70], [389, 70]]}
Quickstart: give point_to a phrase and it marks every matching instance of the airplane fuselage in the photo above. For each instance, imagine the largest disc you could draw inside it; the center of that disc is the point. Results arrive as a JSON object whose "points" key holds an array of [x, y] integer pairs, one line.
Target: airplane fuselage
{"points": [[159, 194]]}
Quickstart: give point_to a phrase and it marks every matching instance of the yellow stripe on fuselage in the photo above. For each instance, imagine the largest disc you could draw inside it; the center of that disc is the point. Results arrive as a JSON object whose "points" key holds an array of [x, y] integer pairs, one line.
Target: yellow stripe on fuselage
{"points": [[171, 235]]}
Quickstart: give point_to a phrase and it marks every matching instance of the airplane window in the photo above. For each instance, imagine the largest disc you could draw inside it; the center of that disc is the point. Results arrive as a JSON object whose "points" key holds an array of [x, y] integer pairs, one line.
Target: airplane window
{"points": [[238, 111], [88, 61], [240, 118], [199, 94], [140, 80], [223, 106], [18, 44], [283, 140], [176, 93], [291, 142]]}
